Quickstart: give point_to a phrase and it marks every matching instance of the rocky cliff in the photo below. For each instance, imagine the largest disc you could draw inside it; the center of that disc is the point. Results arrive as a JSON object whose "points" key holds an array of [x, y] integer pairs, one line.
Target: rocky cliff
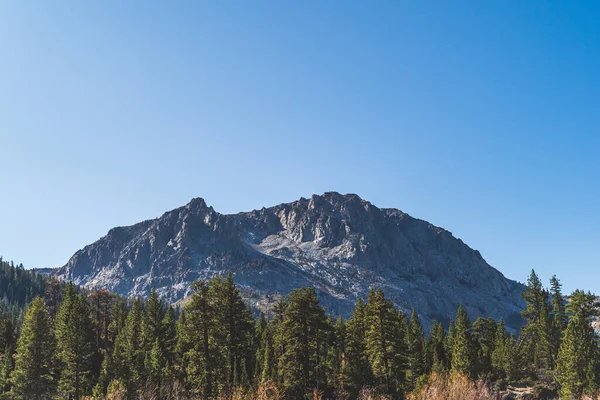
{"points": [[340, 244]]}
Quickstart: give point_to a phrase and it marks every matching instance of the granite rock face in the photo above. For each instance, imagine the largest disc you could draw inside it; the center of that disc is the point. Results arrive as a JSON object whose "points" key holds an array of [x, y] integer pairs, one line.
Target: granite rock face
{"points": [[340, 244]]}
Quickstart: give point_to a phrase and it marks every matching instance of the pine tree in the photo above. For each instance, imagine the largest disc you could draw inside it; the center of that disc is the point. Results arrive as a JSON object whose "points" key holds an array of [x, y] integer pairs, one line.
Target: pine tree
{"points": [[32, 378], [537, 331], [449, 342], [238, 323], [439, 361], [169, 329], [505, 358], [484, 334], [128, 354], [155, 366], [182, 346], [259, 343], [384, 341], [301, 335], [463, 344], [415, 344], [559, 317], [206, 364], [74, 336], [339, 353], [577, 361], [5, 370], [356, 369]]}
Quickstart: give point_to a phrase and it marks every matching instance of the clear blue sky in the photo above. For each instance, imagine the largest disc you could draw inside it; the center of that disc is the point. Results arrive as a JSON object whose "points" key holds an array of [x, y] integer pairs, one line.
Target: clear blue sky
{"points": [[479, 116]]}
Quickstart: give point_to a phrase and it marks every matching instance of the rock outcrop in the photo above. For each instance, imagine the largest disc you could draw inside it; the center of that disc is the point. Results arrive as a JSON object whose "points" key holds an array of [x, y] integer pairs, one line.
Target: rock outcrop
{"points": [[340, 244]]}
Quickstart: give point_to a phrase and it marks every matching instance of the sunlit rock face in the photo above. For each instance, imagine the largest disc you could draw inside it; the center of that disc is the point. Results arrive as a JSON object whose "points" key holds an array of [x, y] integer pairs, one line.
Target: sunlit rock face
{"points": [[340, 244]]}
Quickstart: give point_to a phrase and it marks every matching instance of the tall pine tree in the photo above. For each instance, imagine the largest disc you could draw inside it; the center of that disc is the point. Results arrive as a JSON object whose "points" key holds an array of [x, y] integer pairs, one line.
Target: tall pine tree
{"points": [[75, 340], [33, 376]]}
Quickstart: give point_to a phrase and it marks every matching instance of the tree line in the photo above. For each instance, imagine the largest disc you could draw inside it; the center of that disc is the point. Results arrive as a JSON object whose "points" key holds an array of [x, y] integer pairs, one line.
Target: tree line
{"points": [[73, 345]]}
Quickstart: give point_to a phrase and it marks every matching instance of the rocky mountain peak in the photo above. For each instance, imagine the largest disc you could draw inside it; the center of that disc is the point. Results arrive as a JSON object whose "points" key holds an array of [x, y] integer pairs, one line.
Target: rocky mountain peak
{"points": [[338, 243]]}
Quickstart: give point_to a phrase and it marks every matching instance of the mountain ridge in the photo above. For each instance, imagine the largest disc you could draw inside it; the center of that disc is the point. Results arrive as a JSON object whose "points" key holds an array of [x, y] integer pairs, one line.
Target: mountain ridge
{"points": [[340, 244]]}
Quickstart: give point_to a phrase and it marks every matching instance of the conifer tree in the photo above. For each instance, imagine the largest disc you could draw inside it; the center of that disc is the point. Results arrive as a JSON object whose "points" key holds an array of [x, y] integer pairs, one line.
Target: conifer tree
{"points": [[169, 330], [238, 323], [154, 314], [258, 345], [384, 339], [182, 346], [5, 370], [577, 361], [356, 369], [484, 335], [505, 357], [301, 335], [338, 361], [128, 354], [206, 363], [439, 361], [537, 331], [74, 337], [462, 345], [415, 345], [449, 342], [559, 317], [33, 378]]}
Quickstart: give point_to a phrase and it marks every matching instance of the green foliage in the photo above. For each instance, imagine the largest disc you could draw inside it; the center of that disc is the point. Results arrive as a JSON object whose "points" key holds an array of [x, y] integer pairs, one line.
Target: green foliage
{"points": [[96, 343], [438, 357], [385, 343], [356, 369], [484, 334], [505, 356], [415, 348], [577, 362], [537, 332], [33, 377], [302, 337], [463, 356], [74, 337]]}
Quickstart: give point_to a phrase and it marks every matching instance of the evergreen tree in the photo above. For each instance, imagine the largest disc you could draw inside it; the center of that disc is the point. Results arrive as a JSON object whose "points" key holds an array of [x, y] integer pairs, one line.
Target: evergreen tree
{"points": [[5, 370], [182, 346], [258, 346], [384, 340], [128, 355], [415, 345], [301, 335], [449, 342], [559, 317], [505, 356], [338, 358], [577, 361], [537, 331], [438, 359], [74, 336], [462, 345], [356, 368], [238, 323], [484, 335], [206, 363], [32, 378], [169, 329]]}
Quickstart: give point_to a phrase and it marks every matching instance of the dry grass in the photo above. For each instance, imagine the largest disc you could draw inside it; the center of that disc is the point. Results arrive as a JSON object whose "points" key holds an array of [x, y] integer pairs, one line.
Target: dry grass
{"points": [[453, 387], [369, 393]]}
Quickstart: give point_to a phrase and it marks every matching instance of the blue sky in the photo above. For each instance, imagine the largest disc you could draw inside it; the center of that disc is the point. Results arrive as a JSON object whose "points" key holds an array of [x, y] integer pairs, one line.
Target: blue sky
{"points": [[479, 116]]}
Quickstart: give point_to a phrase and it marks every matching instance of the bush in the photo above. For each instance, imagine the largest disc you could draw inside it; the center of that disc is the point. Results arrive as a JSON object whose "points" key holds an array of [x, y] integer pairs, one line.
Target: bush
{"points": [[453, 387]]}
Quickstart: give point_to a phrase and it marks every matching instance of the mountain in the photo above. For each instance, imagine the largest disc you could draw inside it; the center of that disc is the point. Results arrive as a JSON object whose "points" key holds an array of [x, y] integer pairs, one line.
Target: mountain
{"points": [[340, 244]]}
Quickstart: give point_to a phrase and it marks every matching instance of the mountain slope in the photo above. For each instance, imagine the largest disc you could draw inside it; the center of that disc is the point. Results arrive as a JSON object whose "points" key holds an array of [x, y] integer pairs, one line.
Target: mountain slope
{"points": [[340, 244]]}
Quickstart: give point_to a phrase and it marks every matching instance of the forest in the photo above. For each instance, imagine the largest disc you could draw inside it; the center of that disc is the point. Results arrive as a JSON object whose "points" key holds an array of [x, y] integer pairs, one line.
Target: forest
{"points": [[58, 341]]}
